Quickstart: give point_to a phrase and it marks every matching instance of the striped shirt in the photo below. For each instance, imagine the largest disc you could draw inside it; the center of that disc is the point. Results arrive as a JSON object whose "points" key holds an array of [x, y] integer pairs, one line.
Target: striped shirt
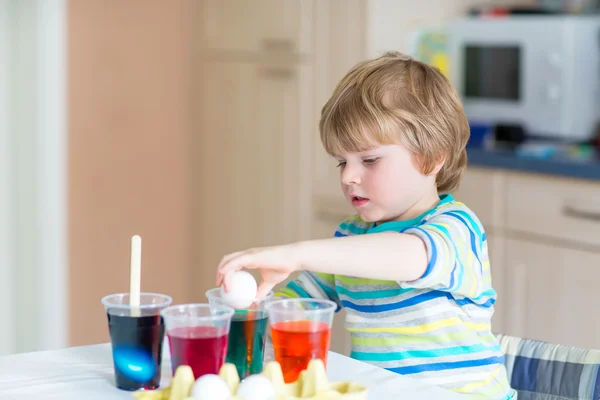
{"points": [[436, 328]]}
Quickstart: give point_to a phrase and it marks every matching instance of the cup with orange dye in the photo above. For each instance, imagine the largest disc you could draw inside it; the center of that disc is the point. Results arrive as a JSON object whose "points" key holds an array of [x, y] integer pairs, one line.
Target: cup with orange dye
{"points": [[300, 332]]}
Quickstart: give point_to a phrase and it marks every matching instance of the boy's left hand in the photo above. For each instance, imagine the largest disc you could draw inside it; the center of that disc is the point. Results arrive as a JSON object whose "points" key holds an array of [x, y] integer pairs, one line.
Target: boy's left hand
{"points": [[275, 264]]}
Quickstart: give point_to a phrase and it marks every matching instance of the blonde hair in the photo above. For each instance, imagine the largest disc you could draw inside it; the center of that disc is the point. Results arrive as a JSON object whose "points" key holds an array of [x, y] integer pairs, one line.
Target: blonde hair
{"points": [[396, 99]]}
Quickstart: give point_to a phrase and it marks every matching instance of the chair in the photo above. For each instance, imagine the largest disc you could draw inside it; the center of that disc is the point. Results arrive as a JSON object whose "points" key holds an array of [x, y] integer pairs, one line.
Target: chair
{"points": [[544, 371]]}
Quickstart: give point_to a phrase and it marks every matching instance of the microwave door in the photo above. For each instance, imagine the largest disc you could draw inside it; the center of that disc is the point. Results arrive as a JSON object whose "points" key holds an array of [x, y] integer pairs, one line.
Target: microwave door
{"points": [[492, 72]]}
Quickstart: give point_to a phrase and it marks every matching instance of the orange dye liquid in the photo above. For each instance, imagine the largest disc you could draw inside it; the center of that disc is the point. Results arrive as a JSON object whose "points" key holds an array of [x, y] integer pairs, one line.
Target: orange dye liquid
{"points": [[295, 343]]}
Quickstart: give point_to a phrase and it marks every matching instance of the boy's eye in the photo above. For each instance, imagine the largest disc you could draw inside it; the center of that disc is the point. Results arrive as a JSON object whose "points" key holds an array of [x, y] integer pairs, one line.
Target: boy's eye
{"points": [[370, 160], [341, 164]]}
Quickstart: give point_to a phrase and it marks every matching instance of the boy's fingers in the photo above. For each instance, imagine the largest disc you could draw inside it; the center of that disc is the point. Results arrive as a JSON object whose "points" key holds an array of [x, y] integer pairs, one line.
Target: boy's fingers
{"points": [[264, 289], [227, 258], [227, 267], [227, 280]]}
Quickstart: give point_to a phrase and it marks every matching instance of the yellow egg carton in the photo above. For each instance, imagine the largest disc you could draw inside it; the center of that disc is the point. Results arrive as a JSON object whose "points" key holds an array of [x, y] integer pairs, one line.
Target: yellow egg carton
{"points": [[312, 384]]}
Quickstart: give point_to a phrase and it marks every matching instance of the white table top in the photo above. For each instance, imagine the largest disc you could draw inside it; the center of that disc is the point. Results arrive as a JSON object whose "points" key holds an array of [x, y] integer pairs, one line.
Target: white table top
{"points": [[87, 373]]}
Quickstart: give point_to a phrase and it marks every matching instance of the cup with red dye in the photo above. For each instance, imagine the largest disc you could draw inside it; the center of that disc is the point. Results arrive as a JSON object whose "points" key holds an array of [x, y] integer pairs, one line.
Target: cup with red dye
{"points": [[198, 336], [300, 332]]}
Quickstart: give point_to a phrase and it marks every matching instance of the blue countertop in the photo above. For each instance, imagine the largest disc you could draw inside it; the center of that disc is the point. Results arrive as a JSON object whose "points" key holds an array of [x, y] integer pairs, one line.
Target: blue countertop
{"points": [[504, 159]]}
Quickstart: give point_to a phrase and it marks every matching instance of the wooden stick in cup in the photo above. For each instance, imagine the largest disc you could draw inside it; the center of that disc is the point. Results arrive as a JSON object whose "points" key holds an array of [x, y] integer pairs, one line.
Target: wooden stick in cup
{"points": [[135, 275]]}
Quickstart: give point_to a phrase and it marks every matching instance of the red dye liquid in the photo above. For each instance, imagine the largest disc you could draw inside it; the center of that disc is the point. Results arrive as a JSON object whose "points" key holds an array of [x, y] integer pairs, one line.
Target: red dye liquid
{"points": [[203, 348], [295, 343]]}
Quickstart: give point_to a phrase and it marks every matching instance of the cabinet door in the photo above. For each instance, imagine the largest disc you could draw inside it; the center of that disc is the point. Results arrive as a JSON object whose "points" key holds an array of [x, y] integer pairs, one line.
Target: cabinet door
{"points": [[257, 25], [552, 293], [251, 153], [569, 211]]}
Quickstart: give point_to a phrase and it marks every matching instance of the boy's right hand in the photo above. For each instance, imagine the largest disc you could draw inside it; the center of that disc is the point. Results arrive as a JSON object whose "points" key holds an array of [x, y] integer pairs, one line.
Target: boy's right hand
{"points": [[275, 265]]}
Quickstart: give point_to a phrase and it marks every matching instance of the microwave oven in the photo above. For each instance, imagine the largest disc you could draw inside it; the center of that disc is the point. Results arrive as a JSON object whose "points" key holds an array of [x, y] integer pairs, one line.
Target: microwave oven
{"points": [[540, 72]]}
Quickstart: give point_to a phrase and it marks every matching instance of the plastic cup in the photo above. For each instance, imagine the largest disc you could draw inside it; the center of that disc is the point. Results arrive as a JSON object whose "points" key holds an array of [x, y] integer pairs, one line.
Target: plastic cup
{"points": [[136, 337], [247, 335], [198, 336], [301, 331]]}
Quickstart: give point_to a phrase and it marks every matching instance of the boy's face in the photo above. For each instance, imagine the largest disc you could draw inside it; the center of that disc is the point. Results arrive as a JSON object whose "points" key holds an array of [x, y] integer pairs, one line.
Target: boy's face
{"points": [[386, 184]]}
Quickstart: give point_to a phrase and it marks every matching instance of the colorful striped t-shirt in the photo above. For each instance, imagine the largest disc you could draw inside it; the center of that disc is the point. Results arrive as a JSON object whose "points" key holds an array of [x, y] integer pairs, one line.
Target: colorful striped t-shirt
{"points": [[436, 328]]}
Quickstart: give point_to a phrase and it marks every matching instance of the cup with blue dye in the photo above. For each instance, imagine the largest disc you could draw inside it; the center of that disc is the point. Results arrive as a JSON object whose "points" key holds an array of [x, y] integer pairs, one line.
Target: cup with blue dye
{"points": [[136, 336]]}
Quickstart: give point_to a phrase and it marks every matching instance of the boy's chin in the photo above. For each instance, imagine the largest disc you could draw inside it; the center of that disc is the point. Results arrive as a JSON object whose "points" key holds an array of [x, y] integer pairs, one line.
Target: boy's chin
{"points": [[376, 217], [369, 216]]}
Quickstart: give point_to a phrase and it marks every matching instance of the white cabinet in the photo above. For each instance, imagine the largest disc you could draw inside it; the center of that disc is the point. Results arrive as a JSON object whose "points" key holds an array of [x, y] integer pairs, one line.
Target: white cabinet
{"points": [[544, 250], [566, 210], [275, 26], [250, 151], [553, 293], [254, 120]]}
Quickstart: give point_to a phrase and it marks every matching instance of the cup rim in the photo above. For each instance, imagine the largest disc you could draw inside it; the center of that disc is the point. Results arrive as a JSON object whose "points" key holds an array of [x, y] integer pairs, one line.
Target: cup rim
{"points": [[332, 305], [227, 312], [167, 300], [209, 294]]}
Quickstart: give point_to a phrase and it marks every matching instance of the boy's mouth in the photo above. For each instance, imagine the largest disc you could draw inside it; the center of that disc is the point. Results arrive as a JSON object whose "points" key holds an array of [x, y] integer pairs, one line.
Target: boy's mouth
{"points": [[358, 201]]}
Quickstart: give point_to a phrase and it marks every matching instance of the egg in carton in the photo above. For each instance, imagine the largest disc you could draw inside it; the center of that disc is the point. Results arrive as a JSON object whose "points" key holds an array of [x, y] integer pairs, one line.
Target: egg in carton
{"points": [[312, 384]]}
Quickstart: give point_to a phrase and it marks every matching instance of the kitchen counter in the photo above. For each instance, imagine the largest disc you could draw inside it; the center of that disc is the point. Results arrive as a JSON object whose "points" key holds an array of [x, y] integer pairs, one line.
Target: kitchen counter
{"points": [[504, 159]]}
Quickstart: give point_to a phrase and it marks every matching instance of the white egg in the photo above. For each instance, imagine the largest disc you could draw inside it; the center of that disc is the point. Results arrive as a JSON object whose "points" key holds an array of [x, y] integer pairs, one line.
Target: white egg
{"points": [[210, 387], [256, 387], [242, 290]]}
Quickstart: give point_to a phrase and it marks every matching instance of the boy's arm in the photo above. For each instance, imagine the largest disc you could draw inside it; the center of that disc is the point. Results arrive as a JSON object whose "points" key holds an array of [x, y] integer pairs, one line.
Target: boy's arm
{"points": [[448, 253], [385, 256]]}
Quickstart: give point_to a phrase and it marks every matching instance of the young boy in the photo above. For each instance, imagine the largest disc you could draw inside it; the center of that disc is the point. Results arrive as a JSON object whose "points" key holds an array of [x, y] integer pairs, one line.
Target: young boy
{"points": [[411, 268]]}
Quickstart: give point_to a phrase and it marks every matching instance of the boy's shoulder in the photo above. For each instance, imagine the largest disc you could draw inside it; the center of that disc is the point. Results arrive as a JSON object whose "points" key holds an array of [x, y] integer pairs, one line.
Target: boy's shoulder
{"points": [[454, 210]]}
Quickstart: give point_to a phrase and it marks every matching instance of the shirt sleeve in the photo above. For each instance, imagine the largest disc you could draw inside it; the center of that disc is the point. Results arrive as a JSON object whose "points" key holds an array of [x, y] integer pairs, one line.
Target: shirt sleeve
{"points": [[314, 285], [457, 257]]}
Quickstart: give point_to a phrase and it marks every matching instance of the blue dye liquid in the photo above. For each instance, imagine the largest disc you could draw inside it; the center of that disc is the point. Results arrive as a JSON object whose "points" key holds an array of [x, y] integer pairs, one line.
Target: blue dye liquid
{"points": [[134, 363], [137, 350]]}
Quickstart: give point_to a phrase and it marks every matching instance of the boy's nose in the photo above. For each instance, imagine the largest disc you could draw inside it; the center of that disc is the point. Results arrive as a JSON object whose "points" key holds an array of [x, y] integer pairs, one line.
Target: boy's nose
{"points": [[350, 176]]}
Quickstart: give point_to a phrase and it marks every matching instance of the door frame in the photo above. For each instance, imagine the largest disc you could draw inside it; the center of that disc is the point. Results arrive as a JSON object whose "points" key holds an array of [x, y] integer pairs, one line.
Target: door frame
{"points": [[33, 175]]}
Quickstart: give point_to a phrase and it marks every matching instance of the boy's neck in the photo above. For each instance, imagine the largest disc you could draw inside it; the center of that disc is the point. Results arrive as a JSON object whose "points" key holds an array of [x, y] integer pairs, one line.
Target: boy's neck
{"points": [[428, 201]]}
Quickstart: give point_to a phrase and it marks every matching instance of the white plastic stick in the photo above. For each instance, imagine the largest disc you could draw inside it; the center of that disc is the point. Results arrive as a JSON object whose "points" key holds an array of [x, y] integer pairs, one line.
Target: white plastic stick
{"points": [[135, 275]]}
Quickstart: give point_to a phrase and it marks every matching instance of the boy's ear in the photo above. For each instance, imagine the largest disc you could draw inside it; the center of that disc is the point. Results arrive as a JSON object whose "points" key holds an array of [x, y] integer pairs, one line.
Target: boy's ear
{"points": [[440, 161]]}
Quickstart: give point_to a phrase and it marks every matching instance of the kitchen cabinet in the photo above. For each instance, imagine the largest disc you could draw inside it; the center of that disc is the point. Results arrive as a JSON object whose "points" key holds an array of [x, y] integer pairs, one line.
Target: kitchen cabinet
{"points": [[249, 27], [567, 211], [553, 293], [270, 26], [253, 105], [544, 251], [251, 148]]}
